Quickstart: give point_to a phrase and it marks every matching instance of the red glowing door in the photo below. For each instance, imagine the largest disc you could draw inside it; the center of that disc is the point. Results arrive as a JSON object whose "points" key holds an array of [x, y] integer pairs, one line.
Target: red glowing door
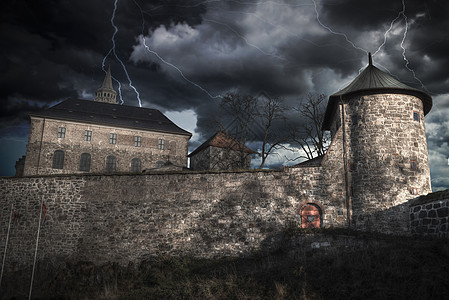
{"points": [[310, 216]]}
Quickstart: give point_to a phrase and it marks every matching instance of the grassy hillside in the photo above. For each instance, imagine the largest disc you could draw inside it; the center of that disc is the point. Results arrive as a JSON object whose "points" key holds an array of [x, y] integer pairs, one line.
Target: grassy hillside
{"points": [[374, 267]]}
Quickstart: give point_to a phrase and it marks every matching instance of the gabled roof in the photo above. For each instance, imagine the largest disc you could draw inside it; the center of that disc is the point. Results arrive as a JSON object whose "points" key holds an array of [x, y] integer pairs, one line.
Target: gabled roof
{"points": [[92, 112], [222, 140], [372, 80]]}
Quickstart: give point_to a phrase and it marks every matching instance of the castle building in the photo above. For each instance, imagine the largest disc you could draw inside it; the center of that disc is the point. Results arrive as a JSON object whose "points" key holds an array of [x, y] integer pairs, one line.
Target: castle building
{"points": [[81, 136], [380, 123], [221, 152]]}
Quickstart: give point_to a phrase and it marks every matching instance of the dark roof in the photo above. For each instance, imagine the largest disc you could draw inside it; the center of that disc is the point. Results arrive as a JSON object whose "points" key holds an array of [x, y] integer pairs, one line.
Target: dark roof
{"points": [[221, 140], [314, 162], [92, 112], [373, 80]]}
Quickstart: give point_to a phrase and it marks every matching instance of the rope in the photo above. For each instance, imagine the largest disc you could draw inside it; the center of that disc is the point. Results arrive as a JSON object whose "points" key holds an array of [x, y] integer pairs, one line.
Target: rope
{"points": [[37, 243], [6, 244]]}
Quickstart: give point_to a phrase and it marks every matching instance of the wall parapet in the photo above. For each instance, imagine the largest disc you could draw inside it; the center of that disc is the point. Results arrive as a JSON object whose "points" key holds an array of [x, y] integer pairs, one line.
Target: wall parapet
{"points": [[429, 214]]}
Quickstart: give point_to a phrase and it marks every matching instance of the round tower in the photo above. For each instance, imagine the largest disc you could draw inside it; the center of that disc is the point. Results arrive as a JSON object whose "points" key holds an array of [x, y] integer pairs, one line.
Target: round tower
{"points": [[384, 149], [106, 92]]}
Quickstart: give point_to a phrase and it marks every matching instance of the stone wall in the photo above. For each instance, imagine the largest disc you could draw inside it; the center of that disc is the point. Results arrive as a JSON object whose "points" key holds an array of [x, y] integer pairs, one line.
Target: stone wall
{"points": [[385, 154], [40, 154], [126, 218], [429, 215]]}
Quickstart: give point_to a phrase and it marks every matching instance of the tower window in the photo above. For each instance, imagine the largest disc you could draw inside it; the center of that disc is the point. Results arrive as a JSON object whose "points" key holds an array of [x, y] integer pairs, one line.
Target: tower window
{"points": [[137, 141], [87, 135], [413, 164], [85, 162], [111, 164], [414, 191], [136, 165], [416, 116], [61, 132], [58, 159], [161, 144], [113, 138]]}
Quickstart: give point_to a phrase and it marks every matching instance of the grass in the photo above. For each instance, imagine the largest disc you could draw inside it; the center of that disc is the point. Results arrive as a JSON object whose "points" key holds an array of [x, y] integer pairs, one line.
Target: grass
{"points": [[378, 267]]}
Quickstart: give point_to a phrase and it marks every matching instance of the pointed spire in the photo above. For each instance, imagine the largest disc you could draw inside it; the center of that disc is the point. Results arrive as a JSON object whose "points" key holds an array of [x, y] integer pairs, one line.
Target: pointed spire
{"points": [[107, 83], [370, 59], [106, 92]]}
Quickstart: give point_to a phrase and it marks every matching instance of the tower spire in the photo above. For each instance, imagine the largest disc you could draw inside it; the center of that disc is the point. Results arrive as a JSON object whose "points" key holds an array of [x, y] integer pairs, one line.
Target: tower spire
{"points": [[106, 92], [370, 59]]}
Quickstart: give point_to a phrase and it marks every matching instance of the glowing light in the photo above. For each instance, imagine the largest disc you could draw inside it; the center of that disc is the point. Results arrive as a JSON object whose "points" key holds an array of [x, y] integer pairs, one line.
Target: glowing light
{"points": [[334, 32], [142, 38], [130, 83], [403, 48]]}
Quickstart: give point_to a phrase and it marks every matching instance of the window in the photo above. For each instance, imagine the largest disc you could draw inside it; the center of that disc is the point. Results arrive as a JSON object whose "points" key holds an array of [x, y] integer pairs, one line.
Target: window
{"points": [[351, 167], [161, 144], [61, 132], [159, 164], [113, 138], [88, 135], [137, 141], [413, 164], [111, 163], [85, 162], [416, 116], [414, 191], [58, 159], [136, 165]]}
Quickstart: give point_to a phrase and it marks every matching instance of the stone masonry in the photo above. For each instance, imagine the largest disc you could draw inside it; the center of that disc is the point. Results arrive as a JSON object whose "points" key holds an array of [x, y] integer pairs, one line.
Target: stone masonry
{"points": [[429, 215], [43, 142]]}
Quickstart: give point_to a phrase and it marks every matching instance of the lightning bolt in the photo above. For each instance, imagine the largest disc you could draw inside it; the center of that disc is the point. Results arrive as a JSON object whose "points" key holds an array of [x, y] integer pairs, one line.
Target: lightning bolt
{"points": [[130, 83], [143, 40], [334, 32], [403, 48]]}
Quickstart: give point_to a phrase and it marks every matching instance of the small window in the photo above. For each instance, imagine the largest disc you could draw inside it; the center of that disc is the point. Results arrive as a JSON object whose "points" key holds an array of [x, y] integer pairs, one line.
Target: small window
{"points": [[85, 162], [113, 138], [416, 116], [351, 167], [310, 218], [414, 191], [111, 164], [88, 135], [159, 164], [137, 141], [136, 165], [413, 164], [61, 132], [161, 144], [58, 159]]}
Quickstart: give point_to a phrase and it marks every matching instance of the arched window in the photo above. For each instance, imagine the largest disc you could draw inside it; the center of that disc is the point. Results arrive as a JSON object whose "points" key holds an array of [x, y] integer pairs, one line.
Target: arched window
{"points": [[136, 165], [85, 162], [159, 164], [311, 215], [58, 159], [111, 164]]}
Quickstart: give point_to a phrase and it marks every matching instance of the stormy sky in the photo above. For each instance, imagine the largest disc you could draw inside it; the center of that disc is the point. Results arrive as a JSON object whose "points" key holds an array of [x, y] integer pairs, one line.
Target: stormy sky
{"points": [[181, 56]]}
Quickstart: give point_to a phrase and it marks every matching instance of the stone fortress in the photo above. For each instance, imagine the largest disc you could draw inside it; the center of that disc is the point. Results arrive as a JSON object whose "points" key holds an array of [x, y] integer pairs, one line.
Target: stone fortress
{"points": [[376, 164]]}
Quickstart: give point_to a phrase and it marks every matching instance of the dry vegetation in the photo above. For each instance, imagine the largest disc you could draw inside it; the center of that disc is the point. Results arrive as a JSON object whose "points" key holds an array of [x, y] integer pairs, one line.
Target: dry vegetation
{"points": [[384, 268]]}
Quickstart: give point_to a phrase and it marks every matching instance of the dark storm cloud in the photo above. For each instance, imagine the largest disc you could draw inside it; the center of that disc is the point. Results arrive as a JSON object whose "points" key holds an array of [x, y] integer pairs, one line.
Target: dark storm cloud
{"points": [[53, 50]]}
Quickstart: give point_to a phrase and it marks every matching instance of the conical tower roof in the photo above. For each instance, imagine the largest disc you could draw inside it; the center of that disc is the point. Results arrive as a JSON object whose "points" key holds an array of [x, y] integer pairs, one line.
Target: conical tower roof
{"points": [[374, 81], [107, 83], [106, 92]]}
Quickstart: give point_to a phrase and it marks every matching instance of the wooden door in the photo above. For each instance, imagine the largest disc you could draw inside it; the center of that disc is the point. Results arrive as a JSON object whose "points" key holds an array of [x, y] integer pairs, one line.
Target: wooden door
{"points": [[310, 216]]}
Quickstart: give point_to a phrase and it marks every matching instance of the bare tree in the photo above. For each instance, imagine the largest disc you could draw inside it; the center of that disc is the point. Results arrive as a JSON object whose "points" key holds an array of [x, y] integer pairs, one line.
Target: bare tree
{"points": [[272, 111], [254, 118], [309, 137]]}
